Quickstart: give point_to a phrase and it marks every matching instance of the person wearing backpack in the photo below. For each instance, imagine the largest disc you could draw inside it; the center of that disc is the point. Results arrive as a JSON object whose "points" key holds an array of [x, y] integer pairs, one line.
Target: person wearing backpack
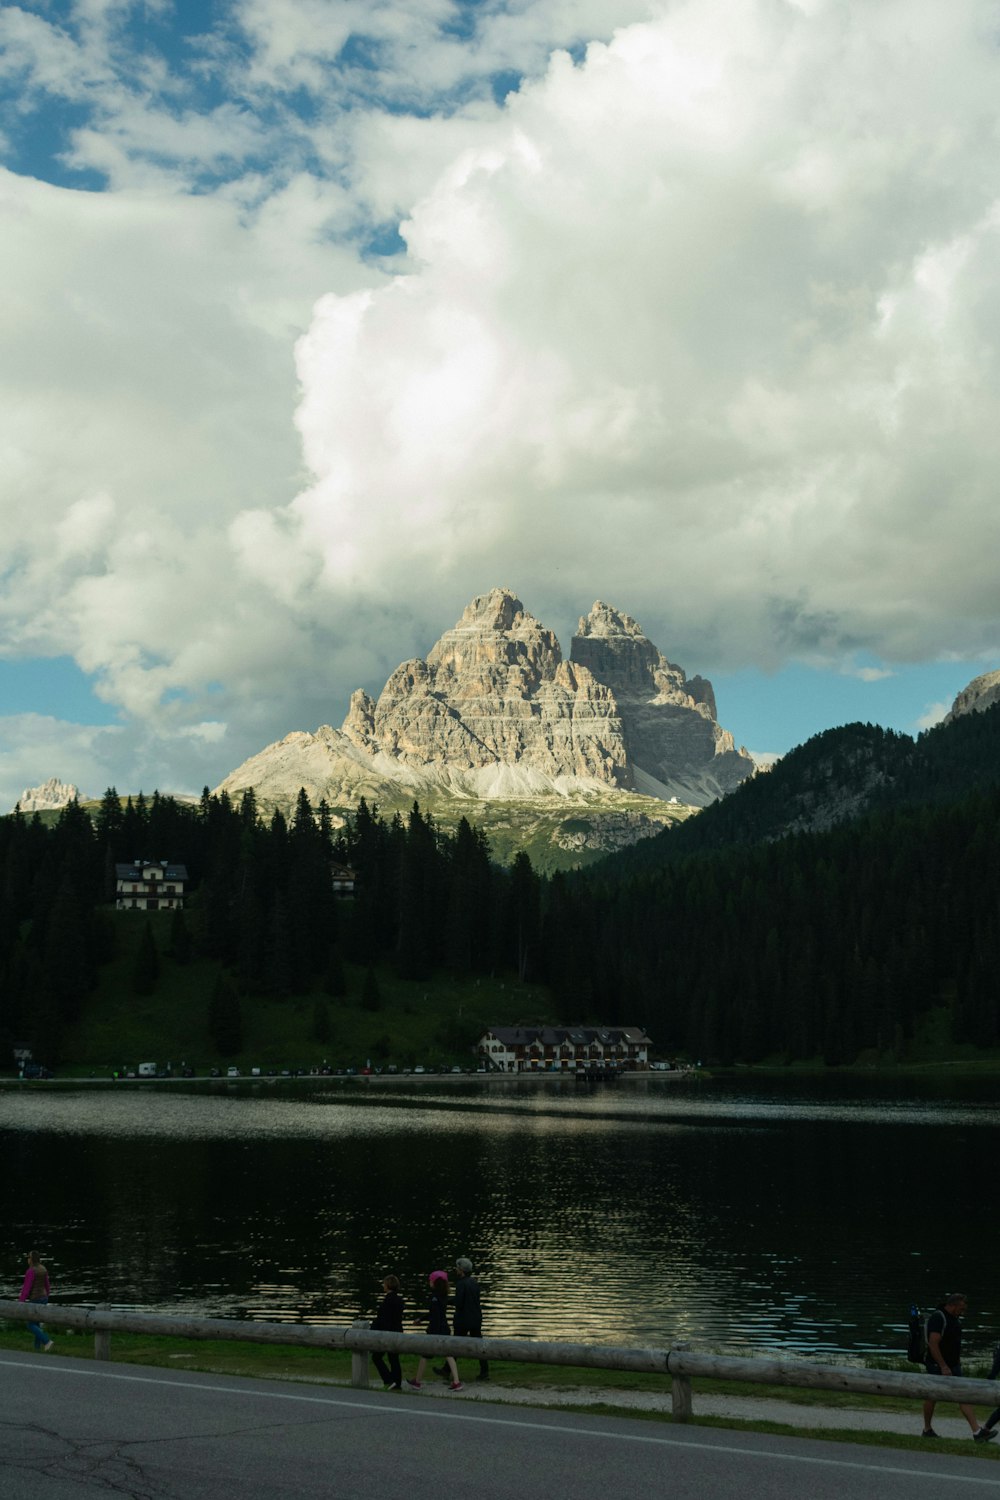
{"points": [[944, 1357]]}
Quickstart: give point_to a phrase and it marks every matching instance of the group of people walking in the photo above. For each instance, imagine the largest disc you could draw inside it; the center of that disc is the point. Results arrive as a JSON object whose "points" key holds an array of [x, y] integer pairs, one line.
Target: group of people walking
{"points": [[468, 1321]]}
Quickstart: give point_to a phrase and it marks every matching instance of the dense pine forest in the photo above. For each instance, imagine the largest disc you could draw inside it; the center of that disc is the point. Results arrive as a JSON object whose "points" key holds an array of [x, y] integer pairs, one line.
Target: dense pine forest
{"points": [[262, 906], [814, 946], [731, 939]]}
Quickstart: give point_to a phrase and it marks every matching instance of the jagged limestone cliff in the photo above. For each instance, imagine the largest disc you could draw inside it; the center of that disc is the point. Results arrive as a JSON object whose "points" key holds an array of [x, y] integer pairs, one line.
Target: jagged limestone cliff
{"points": [[495, 725], [48, 797], [672, 741], [981, 693]]}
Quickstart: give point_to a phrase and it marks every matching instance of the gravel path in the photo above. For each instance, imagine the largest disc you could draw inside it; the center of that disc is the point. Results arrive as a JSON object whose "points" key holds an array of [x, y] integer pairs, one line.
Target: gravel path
{"points": [[742, 1408]]}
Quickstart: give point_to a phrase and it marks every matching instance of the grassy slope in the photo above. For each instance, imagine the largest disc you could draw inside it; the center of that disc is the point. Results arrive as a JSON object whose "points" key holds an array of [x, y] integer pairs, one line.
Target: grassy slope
{"points": [[172, 1024]]}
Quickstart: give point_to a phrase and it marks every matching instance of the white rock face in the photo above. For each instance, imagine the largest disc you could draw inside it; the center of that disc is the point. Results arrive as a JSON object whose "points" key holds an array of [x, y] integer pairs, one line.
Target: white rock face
{"points": [[50, 795], [495, 714], [981, 693], [672, 740]]}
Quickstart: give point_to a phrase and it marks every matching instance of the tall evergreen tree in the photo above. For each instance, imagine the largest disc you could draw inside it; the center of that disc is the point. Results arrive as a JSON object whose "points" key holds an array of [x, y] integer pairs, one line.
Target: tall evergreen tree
{"points": [[225, 1018], [146, 968], [371, 995], [180, 938]]}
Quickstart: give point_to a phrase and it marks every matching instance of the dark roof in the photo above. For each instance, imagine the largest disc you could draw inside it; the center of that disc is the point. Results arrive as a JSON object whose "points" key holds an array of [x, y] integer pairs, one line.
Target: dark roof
{"points": [[551, 1036], [137, 869]]}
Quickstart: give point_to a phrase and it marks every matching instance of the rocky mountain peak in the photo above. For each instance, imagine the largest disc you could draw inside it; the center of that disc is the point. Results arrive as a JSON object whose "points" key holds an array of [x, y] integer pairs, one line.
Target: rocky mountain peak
{"points": [[981, 693], [52, 794], [669, 724], [605, 620], [496, 631], [495, 713], [497, 610], [612, 646]]}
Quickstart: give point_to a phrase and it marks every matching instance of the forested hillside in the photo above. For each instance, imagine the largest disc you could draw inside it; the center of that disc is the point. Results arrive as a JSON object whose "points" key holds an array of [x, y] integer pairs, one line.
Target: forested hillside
{"points": [[832, 778], [737, 940], [829, 944], [817, 945], [262, 907]]}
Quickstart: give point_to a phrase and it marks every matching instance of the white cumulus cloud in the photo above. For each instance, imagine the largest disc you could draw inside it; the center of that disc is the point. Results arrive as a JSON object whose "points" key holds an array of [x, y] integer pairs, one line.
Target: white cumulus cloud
{"points": [[706, 323], [701, 319]]}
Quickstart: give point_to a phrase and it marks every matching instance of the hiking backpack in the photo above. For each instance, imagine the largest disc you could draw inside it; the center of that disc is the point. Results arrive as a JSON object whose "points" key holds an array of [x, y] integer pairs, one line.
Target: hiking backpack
{"points": [[916, 1343]]}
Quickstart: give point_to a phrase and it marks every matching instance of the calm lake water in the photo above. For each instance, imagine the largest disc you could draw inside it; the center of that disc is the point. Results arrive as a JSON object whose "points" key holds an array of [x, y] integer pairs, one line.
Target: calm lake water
{"points": [[783, 1214]]}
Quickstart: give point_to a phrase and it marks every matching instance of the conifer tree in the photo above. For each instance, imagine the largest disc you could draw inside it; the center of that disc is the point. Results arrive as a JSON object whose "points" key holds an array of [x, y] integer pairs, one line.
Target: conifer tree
{"points": [[371, 995], [180, 938], [108, 825], [320, 1029], [522, 917], [278, 969], [146, 968], [66, 969], [225, 1018], [335, 980]]}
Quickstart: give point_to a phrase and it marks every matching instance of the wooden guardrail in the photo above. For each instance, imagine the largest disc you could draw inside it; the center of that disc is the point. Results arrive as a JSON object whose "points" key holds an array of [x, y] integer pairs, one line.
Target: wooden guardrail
{"points": [[680, 1363]]}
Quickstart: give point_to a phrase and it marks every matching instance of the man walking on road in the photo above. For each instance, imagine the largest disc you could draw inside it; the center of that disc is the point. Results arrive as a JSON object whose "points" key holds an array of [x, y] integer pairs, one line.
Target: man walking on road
{"points": [[944, 1357]]}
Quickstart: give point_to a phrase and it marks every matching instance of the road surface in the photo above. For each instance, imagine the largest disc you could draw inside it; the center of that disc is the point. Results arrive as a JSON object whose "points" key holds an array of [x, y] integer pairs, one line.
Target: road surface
{"points": [[71, 1429]]}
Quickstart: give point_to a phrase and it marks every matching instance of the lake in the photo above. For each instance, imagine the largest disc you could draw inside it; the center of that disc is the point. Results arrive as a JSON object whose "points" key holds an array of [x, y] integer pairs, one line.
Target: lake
{"points": [[743, 1214]]}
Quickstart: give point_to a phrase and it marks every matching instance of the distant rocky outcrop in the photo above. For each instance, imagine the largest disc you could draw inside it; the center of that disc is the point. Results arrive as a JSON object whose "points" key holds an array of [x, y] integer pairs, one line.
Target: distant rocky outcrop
{"points": [[52, 794], [981, 693], [495, 714]]}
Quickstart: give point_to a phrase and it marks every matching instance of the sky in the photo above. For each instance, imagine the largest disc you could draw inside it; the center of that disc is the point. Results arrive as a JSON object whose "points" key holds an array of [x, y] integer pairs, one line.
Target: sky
{"points": [[321, 317]]}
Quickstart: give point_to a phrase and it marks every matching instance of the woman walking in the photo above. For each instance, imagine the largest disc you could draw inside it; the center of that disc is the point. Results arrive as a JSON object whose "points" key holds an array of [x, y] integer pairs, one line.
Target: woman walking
{"points": [[36, 1290], [437, 1323], [389, 1319]]}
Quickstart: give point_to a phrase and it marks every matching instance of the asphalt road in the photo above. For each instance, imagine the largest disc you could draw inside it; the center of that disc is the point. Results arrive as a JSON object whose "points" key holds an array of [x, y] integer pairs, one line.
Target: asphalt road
{"points": [[70, 1429]]}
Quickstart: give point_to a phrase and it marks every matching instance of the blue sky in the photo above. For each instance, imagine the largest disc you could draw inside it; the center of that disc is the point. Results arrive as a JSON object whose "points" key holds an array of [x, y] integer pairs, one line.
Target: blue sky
{"points": [[323, 316]]}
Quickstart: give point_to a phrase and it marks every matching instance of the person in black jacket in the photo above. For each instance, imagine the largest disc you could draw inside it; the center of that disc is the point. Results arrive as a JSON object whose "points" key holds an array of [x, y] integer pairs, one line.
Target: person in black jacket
{"points": [[389, 1319], [437, 1323], [468, 1308], [944, 1357]]}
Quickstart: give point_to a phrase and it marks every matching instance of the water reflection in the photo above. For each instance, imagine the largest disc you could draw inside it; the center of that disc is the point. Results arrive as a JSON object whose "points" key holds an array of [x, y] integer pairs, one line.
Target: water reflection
{"points": [[638, 1214]]}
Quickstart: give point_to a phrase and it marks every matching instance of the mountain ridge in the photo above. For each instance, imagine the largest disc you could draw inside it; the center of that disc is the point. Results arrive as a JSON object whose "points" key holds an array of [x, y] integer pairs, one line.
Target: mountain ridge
{"points": [[495, 719]]}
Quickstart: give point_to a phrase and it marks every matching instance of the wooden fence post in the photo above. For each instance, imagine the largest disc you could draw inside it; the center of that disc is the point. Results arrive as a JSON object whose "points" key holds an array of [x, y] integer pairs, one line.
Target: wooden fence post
{"points": [[680, 1390], [359, 1360], [102, 1337]]}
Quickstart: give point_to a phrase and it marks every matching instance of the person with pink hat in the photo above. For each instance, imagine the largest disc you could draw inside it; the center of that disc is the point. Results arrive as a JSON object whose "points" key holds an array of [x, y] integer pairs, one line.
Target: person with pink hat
{"points": [[437, 1323]]}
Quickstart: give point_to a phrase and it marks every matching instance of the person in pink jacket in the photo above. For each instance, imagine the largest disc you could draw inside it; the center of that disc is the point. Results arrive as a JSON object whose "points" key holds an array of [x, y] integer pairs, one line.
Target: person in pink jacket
{"points": [[36, 1289]]}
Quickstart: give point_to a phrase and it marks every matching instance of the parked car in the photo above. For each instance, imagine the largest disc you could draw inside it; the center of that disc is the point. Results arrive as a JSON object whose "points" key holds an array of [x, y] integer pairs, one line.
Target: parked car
{"points": [[232, 1072]]}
